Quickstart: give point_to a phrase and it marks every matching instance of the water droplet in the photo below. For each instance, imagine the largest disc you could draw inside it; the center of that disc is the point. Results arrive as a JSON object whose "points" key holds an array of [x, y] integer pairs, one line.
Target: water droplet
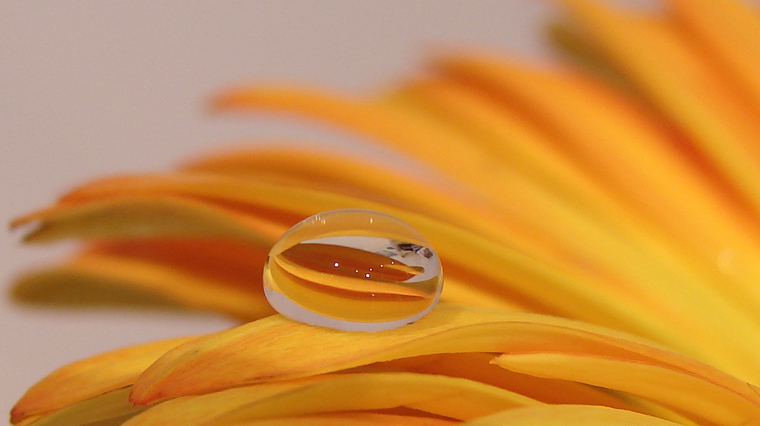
{"points": [[319, 272]]}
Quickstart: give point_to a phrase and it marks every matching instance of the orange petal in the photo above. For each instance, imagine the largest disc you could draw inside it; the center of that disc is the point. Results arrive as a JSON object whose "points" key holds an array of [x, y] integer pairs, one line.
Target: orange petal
{"points": [[334, 172], [235, 292], [276, 348], [688, 89], [144, 216], [109, 408], [127, 203], [349, 419], [441, 395], [687, 391], [568, 415], [90, 377], [637, 150], [635, 155], [599, 249], [478, 367], [728, 28]]}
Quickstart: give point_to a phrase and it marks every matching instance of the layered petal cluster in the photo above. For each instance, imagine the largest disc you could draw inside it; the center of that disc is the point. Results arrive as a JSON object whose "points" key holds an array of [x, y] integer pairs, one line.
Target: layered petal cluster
{"points": [[598, 224]]}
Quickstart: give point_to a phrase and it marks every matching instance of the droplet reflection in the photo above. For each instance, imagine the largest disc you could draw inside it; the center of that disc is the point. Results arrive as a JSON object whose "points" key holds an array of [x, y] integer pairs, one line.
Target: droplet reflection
{"points": [[353, 270]]}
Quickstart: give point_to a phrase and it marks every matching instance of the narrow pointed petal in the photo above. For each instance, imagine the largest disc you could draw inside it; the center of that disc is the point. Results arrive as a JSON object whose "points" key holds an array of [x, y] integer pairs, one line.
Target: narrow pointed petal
{"points": [[498, 128], [568, 415], [478, 367], [349, 419], [637, 151], [90, 377], [578, 49], [514, 194], [441, 395], [27, 421], [729, 29], [276, 348], [688, 90], [142, 217], [695, 396], [338, 173], [431, 143], [112, 407], [617, 253], [200, 274], [67, 286], [227, 208]]}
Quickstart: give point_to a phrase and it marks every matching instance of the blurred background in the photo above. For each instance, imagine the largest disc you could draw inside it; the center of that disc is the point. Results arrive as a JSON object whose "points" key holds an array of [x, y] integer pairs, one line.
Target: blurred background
{"points": [[90, 89]]}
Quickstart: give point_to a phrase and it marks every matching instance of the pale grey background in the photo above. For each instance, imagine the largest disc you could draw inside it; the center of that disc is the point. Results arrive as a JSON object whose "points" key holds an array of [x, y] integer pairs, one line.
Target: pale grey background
{"points": [[94, 88]]}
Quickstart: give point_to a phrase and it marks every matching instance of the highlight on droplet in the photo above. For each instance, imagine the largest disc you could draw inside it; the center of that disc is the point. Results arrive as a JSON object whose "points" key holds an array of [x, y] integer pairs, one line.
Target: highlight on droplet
{"points": [[353, 270]]}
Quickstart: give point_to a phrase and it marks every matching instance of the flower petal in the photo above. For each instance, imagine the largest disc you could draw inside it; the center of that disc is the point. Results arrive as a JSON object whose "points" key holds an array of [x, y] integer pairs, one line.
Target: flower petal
{"points": [[441, 395], [202, 274], [689, 90], [524, 206], [635, 154], [90, 377], [349, 419], [638, 150], [484, 263], [728, 29], [142, 216], [276, 349], [568, 415], [688, 392], [335, 172], [477, 367], [109, 408], [622, 256]]}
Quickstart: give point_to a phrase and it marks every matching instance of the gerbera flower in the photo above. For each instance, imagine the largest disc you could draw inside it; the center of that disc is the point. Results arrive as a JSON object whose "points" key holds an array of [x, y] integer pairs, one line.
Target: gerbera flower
{"points": [[597, 224]]}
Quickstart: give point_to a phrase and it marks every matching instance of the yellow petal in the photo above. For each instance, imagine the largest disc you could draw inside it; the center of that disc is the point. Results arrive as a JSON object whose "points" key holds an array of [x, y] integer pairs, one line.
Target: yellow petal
{"points": [[110, 408], [142, 217], [694, 395], [523, 207], [159, 206], [636, 151], [568, 415], [445, 396], [478, 367], [500, 129], [446, 152], [27, 421], [62, 286], [729, 29], [139, 201], [569, 41], [276, 348], [634, 155], [335, 172], [687, 89], [205, 274], [90, 377], [349, 419], [612, 253]]}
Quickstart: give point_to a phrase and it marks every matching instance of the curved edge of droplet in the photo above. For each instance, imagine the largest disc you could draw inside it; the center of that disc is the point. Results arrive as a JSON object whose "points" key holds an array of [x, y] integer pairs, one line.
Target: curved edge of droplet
{"points": [[289, 309]]}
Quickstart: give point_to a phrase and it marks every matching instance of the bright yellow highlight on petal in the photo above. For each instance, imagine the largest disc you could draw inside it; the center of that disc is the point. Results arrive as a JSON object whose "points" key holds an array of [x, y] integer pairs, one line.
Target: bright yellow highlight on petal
{"points": [[598, 224]]}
